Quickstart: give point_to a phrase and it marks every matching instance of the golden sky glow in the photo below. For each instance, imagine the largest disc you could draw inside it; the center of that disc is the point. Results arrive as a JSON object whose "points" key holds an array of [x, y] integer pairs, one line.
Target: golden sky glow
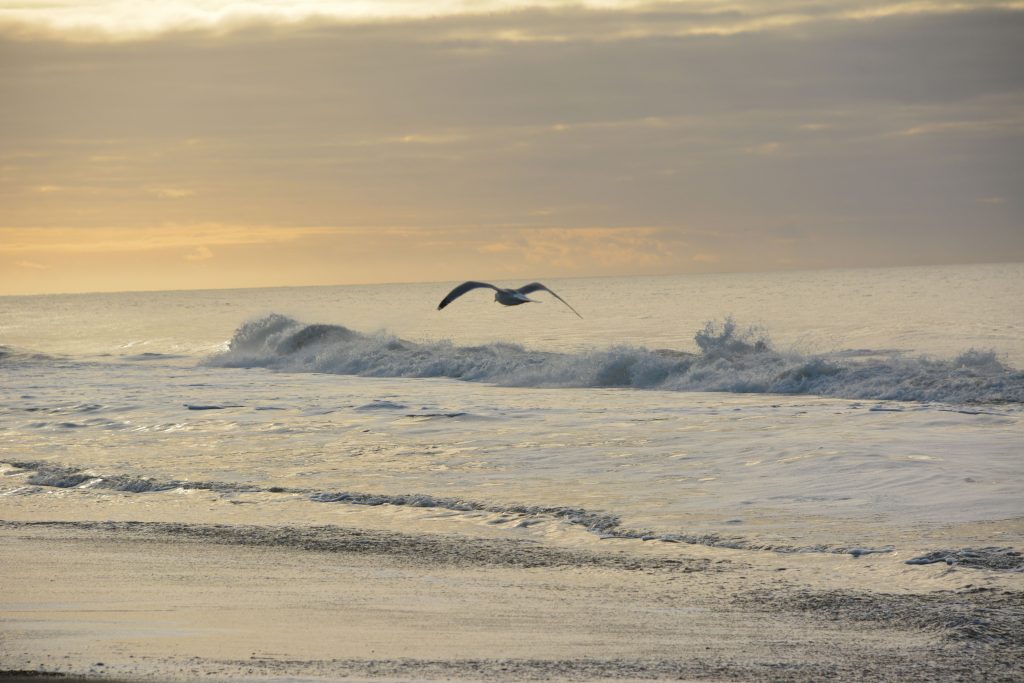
{"points": [[165, 145]]}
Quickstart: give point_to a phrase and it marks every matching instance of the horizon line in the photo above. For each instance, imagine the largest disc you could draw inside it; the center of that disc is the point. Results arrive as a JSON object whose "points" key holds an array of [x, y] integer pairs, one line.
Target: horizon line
{"points": [[959, 264]]}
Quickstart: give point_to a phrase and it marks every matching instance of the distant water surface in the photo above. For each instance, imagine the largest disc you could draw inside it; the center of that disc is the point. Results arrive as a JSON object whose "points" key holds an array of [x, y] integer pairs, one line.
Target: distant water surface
{"points": [[942, 311]]}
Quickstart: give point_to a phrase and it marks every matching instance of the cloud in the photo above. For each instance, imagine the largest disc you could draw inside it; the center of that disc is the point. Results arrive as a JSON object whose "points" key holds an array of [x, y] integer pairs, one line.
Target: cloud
{"points": [[201, 253], [702, 257], [491, 21], [32, 265], [765, 148], [107, 240], [582, 138], [494, 248], [171, 192], [574, 250]]}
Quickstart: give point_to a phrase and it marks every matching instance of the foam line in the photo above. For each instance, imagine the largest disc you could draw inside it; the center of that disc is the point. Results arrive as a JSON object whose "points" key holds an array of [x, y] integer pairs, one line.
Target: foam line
{"points": [[729, 359], [603, 524]]}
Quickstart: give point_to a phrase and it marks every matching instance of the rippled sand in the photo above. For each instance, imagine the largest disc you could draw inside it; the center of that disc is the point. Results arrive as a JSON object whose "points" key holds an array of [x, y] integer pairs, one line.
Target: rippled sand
{"points": [[248, 599]]}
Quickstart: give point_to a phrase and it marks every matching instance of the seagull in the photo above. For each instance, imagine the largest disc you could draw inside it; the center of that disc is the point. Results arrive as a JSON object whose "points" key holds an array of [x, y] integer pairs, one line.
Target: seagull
{"points": [[506, 297]]}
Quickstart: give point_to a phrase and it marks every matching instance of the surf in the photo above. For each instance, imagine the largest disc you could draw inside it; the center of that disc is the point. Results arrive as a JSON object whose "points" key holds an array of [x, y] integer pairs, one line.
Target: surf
{"points": [[729, 358]]}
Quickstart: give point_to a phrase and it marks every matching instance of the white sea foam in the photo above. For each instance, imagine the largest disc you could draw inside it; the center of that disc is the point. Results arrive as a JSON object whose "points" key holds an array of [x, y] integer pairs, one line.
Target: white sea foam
{"points": [[730, 359]]}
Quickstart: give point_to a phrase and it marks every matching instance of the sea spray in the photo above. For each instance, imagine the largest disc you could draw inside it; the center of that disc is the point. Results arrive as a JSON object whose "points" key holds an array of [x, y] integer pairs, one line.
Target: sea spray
{"points": [[729, 359]]}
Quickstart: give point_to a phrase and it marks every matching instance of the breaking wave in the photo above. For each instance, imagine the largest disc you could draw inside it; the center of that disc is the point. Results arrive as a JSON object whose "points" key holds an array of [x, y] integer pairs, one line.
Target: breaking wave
{"points": [[10, 354], [729, 359]]}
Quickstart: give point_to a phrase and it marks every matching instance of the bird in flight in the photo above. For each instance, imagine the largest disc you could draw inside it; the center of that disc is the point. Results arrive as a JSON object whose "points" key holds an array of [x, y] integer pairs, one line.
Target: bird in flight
{"points": [[506, 297]]}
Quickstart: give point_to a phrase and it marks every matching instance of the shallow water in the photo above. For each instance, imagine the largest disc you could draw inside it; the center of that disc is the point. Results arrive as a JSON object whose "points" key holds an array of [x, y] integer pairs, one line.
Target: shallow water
{"points": [[856, 415]]}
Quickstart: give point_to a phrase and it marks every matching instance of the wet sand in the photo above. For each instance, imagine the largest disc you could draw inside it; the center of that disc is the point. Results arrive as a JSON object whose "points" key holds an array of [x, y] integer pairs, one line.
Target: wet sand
{"points": [[160, 600]]}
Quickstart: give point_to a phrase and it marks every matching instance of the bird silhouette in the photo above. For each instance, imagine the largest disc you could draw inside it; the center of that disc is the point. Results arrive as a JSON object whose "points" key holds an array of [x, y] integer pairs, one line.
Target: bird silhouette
{"points": [[506, 297]]}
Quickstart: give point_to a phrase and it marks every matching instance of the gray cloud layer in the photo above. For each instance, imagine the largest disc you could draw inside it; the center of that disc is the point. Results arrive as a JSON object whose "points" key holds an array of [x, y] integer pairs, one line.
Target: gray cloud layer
{"points": [[742, 143]]}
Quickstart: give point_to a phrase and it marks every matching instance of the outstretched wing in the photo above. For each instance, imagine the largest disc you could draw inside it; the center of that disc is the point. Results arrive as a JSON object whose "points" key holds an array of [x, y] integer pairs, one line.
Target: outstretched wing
{"points": [[462, 289], [536, 286]]}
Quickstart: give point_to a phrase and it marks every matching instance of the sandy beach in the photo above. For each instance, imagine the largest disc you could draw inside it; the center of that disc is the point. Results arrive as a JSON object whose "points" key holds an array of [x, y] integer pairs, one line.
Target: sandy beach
{"points": [[88, 594]]}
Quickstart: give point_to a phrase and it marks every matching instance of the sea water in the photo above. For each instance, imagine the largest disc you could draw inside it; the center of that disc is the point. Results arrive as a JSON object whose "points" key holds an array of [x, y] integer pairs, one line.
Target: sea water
{"points": [[830, 411]]}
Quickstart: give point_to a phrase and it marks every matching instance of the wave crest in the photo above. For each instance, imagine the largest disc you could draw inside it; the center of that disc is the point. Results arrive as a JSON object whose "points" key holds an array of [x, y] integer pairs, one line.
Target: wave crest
{"points": [[730, 359]]}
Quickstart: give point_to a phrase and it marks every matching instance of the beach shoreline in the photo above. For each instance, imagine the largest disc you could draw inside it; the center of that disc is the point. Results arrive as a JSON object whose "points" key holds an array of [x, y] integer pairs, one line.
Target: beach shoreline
{"points": [[189, 601]]}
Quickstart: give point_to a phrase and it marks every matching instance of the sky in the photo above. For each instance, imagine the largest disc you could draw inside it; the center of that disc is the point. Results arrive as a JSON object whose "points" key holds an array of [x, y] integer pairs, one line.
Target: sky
{"points": [[213, 143]]}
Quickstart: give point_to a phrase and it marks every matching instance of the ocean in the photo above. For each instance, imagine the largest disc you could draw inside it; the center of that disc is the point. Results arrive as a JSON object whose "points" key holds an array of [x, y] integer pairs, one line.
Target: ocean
{"points": [[836, 411]]}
